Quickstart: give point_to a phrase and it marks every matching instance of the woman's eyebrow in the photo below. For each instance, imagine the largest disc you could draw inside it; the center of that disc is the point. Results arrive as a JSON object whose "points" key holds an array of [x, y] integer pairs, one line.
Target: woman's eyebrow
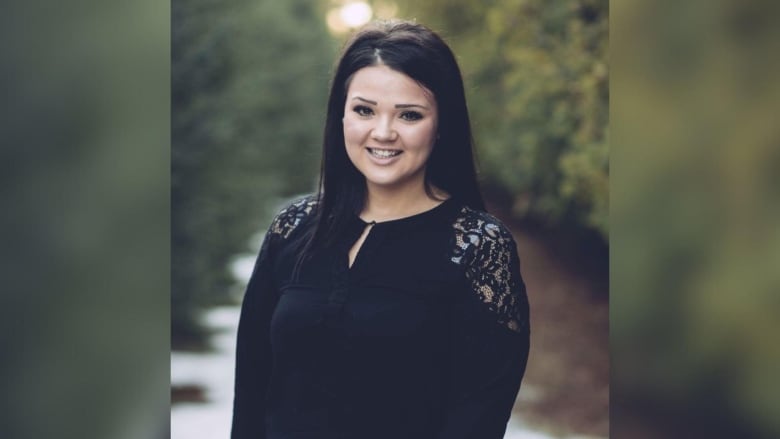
{"points": [[410, 106], [396, 106], [364, 100]]}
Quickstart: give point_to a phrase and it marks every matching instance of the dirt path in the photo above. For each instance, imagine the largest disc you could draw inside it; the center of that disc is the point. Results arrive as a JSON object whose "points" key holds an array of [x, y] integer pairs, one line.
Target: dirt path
{"points": [[566, 387]]}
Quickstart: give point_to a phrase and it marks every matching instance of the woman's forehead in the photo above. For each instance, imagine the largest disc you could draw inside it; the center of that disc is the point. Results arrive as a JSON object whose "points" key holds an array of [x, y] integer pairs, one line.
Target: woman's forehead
{"points": [[380, 84]]}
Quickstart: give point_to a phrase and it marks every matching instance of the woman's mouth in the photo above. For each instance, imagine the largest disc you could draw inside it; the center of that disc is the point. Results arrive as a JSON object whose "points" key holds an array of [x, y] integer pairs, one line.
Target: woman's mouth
{"points": [[383, 153]]}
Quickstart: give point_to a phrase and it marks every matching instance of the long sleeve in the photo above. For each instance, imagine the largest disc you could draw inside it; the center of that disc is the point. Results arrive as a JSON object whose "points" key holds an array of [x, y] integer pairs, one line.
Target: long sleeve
{"points": [[253, 350], [491, 332]]}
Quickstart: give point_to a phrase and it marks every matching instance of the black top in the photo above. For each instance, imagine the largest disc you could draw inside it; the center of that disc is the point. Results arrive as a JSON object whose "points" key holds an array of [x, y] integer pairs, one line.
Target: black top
{"points": [[425, 336]]}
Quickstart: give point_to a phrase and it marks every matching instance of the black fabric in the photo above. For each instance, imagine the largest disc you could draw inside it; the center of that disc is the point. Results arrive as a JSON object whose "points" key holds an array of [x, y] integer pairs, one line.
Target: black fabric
{"points": [[425, 336]]}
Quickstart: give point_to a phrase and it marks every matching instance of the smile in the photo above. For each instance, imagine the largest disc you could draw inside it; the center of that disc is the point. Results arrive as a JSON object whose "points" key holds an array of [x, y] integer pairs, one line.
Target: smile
{"points": [[383, 153]]}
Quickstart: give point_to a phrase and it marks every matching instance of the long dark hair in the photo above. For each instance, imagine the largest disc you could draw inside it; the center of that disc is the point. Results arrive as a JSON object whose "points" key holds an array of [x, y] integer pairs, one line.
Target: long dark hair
{"points": [[421, 54]]}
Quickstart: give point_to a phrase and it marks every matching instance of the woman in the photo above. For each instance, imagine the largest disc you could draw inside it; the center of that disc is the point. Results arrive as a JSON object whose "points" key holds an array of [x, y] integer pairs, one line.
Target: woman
{"points": [[389, 305]]}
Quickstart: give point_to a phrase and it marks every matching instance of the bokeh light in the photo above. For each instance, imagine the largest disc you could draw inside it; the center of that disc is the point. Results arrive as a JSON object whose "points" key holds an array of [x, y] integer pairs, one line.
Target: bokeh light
{"points": [[349, 16], [356, 14]]}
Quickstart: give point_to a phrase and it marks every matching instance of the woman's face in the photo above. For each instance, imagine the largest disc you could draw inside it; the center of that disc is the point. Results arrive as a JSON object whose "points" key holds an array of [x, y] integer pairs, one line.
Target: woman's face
{"points": [[390, 125]]}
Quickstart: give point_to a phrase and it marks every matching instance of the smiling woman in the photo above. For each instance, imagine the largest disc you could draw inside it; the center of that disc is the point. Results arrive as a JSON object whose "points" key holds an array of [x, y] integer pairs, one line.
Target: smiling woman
{"points": [[389, 304], [390, 124]]}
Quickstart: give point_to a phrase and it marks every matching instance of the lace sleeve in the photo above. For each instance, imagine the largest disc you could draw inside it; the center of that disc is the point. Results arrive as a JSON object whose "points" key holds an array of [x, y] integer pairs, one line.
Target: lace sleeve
{"points": [[253, 347], [289, 218], [490, 348], [487, 250]]}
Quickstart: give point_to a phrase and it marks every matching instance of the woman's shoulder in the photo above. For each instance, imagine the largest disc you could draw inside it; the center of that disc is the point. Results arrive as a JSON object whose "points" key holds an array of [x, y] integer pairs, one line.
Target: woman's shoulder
{"points": [[293, 214], [484, 246], [477, 231]]}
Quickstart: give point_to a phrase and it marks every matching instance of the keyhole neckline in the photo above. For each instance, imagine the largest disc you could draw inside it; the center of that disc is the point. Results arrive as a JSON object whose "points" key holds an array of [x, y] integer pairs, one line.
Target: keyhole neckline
{"points": [[411, 218]]}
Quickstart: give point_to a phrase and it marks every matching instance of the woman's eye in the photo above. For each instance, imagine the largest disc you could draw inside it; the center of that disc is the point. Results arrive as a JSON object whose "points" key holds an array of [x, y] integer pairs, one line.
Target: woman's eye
{"points": [[362, 110], [411, 116]]}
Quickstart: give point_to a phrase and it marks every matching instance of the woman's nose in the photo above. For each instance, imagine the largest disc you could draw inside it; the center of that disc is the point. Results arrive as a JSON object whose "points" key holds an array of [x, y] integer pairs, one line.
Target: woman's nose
{"points": [[383, 131]]}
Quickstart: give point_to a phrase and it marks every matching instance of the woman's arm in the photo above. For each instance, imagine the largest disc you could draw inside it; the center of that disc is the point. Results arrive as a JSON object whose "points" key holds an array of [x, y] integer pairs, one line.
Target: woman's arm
{"points": [[491, 333], [253, 350]]}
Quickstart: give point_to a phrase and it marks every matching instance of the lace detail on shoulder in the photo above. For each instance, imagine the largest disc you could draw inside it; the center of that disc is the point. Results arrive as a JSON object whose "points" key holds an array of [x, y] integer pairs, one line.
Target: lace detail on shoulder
{"points": [[289, 218], [486, 248]]}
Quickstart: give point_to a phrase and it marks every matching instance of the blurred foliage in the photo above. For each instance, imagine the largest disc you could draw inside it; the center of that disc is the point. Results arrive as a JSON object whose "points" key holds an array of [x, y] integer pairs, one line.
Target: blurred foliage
{"points": [[695, 309], [249, 87], [536, 74], [84, 180]]}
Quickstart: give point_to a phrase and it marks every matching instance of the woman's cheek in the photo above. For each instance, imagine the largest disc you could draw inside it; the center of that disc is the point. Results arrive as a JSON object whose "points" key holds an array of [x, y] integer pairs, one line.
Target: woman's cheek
{"points": [[354, 132]]}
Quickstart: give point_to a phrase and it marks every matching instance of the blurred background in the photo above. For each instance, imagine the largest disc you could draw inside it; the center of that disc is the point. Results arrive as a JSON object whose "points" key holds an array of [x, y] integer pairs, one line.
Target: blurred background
{"points": [[249, 90], [695, 215]]}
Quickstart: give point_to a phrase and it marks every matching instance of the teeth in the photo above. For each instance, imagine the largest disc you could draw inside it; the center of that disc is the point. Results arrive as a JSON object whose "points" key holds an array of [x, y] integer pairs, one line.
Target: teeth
{"points": [[383, 153]]}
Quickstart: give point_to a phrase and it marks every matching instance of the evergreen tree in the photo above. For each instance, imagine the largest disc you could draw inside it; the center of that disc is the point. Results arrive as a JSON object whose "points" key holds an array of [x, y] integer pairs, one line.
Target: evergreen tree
{"points": [[249, 89]]}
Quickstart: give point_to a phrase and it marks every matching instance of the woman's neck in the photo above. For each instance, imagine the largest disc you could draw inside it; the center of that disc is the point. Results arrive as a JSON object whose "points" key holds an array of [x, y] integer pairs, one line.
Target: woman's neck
{"points": [[386, 205]]}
